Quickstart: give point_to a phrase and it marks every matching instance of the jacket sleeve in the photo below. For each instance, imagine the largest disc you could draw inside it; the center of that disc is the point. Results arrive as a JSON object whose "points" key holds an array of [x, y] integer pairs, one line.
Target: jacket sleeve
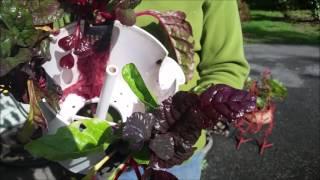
{"points": [[222, 54]]}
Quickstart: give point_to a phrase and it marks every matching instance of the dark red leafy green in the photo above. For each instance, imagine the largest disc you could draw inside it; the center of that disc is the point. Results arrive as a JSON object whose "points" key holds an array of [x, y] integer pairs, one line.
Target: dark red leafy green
{"points": [[84, 48], [71, 41], [182, 152], [222, 101], [67, 43], [163, 146], [91, 61], [175, 123], [67, 61], [182, 117], [138, 128]]}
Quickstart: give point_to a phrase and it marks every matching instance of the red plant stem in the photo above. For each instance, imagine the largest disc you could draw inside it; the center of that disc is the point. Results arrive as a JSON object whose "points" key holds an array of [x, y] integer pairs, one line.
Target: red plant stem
{"points": [[135, 166], [107, 15], [147, 13], [78, 35]]}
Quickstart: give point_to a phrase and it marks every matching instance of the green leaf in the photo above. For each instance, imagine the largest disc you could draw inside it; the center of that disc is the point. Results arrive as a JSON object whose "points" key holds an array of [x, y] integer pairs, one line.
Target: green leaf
{"points": [[34, 115], [133, 78], [17, 34], [261, 102], [76, 140], [278, 90], [14, 14], [6, 44], [8, 63]]}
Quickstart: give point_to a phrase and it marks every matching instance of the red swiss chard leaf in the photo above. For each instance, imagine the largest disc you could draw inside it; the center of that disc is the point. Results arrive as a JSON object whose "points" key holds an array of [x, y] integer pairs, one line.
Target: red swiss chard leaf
{"points": [[163, 146], [71, 41], [222, 101], [175, 119], [182, 152], [67, 61], [179, 32], [67, 43]]}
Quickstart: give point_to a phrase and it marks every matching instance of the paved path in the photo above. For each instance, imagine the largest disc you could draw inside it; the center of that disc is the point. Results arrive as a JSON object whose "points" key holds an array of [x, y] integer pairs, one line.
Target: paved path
{"points": [[296, 151]]}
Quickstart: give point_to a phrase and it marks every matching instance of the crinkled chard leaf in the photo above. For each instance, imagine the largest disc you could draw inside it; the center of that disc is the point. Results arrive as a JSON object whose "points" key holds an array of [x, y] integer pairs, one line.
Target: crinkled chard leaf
{"points": [[133, 78], [187, 126], [18, 37], [76, 140], [222, 101], [177, 119], [182, 152], [180, 36], [42, 51], [18, 21], [137, 129], [9, 63], [163, 146], [171, 109]]}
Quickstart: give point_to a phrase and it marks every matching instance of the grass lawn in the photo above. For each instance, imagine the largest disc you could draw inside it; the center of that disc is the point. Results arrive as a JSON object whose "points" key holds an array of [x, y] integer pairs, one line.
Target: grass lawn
{"points": [[272, 27]]}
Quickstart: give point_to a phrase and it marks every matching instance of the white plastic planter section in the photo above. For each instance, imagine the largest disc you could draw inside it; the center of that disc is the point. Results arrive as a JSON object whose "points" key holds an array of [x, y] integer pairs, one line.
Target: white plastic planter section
{"points": [[128, 45]]}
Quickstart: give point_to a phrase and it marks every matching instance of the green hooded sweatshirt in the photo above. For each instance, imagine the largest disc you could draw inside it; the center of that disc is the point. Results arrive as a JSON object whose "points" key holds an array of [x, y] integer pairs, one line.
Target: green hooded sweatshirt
{"points": [[218, 39]]}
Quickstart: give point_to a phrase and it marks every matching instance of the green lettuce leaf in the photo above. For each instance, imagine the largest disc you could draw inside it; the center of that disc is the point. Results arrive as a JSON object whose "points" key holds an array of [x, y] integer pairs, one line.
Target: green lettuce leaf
{"points": [[8, 63], [133, 78], [76, 140], [18, 36], [278, 90]]}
